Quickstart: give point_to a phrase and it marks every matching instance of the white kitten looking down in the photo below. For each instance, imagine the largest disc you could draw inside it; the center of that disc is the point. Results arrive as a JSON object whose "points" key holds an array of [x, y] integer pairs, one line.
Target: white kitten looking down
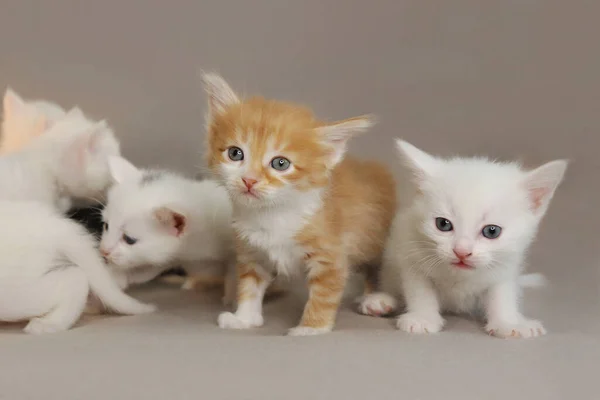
{"points": [[461, 244], [49, 264], [155, 220], [23, 120], [69, 161]]}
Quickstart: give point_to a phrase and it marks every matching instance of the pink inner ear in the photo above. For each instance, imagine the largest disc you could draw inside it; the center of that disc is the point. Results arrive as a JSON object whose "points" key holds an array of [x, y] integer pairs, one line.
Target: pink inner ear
{"points": [[178, 223], [537, 196], [173, 221]]}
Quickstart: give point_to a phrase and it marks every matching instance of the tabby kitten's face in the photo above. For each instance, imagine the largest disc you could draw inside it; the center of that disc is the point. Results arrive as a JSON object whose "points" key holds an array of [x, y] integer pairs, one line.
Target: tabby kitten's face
{"points": [[267, 152]]}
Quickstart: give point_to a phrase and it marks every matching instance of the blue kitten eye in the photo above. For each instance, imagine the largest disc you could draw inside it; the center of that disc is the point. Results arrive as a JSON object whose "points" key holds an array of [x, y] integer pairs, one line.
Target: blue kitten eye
{"points": [[443, 224], [491, 231], [235, 154], [280, 163], [129, 240]]}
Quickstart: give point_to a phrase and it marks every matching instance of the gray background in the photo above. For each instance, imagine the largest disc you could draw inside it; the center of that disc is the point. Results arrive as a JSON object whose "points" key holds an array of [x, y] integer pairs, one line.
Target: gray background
{"points": [[511, 79]]}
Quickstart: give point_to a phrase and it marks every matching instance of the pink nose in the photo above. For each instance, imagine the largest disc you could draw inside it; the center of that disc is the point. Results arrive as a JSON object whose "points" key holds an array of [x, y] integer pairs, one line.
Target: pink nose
{"points": [[104, 252], [249, 182], [462, 254]]}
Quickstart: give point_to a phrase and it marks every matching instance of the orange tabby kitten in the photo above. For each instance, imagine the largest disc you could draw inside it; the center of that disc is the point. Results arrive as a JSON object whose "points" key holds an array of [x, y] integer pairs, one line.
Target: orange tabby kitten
{"points": [[298, 204]]}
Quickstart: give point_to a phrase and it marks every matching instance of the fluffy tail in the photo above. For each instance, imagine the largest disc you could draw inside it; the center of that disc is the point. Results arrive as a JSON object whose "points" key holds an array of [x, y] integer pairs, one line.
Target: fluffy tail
{"points": [[532, 280], [83, 254]]}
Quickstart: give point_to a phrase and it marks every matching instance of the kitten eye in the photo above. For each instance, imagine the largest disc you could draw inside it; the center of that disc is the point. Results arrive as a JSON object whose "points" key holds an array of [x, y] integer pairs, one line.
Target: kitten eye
{"points": [[491, 231], [105, 226], [129, 240], [235, 154], [280, 163], [443, 224]]}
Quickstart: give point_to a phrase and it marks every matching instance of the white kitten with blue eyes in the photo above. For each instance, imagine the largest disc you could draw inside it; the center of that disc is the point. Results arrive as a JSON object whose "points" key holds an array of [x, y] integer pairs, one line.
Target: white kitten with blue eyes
{"points": [[156, 220], [460, 246]]}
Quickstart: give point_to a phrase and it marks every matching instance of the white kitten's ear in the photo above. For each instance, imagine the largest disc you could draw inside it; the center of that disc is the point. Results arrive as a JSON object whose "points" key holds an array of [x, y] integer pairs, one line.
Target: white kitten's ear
{"points": [[541, 183], [173, 221], [12, 103], [419, 162], [75, 112], [122, 170], [337, 134], [220, 94]]}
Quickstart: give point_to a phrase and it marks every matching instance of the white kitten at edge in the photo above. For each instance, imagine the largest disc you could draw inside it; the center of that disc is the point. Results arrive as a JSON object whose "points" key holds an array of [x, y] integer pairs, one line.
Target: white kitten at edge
{"points": [[156, 220], [24, 120], [460, 246], [49, 265]]}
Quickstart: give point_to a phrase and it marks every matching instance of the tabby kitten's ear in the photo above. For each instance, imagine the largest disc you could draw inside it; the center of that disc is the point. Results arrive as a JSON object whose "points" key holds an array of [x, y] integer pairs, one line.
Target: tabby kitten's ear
{"points": [[220, 94], [336, 135]]}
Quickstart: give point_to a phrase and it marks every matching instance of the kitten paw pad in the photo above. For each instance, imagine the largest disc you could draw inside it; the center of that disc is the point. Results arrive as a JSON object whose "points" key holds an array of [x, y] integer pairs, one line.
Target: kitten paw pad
{"points": [[525, 329], [229, 320], [420, 323], [307, 331], [38, 326], [377, 304]]}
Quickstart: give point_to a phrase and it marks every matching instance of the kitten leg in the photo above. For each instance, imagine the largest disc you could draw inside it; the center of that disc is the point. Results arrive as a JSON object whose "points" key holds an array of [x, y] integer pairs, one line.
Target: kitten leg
{"points": [[251, 286], [326, 282], [69, 291], [423, 309], [504, 318]]}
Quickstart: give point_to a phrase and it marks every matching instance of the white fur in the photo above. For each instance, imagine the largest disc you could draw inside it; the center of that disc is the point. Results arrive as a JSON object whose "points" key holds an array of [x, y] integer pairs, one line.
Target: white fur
{"points": [[68, 162], [204, 246], [471, 193], [24, 120], [48, 265]]}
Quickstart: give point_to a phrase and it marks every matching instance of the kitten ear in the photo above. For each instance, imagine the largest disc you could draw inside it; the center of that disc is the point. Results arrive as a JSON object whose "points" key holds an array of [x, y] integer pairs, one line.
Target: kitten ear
{"points": [[122, 170], [220, 94], [338, 133], [75, 112], [86, 143], [541, 183], [420, 163], [12, 103], [173, 221]]}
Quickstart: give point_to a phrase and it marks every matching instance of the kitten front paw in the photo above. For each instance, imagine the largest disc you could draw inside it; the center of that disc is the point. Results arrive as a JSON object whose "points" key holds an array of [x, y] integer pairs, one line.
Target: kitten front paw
{"points": [[228, 320], [377, 304], [524, 329], [39, 326], [413, 322], [307, 331]]}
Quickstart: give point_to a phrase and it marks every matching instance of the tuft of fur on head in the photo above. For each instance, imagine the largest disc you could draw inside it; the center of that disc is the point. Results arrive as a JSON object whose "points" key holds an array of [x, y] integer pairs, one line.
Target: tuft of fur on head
{"points": [[267, 131], [472, 193], [24, 120]]}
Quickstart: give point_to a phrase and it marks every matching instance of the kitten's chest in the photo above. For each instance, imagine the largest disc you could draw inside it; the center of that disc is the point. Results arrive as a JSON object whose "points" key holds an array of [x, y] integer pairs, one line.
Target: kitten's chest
{"points": [[273, 237]]}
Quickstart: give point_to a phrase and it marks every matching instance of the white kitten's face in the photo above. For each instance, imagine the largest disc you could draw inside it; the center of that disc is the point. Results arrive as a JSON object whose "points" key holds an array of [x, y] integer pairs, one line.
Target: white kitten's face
{"points": [[135, 240], [476, 217], [138, 229], [477, 214]]}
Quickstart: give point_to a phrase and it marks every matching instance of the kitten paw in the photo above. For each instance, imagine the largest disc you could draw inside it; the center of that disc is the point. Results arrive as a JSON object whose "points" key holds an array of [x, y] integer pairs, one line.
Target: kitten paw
{"points": [[307, 331], [377, 304], [420, 323], [525, 329], [39, 326], [229, 320]]}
